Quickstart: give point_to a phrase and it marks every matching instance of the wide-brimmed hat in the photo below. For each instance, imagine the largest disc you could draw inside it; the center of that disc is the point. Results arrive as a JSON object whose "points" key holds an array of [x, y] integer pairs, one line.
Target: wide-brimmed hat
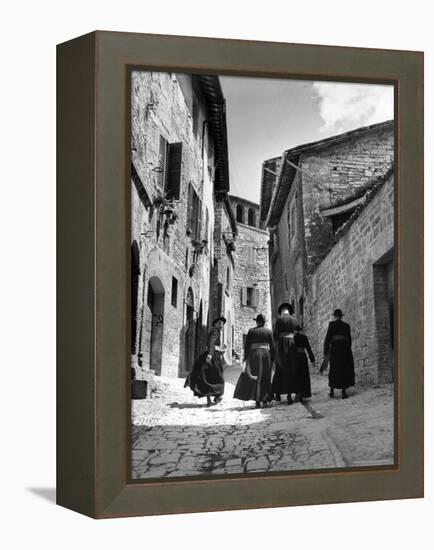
{"points": [[338, 313], [287, 306], [259, 318], [217, 319]]}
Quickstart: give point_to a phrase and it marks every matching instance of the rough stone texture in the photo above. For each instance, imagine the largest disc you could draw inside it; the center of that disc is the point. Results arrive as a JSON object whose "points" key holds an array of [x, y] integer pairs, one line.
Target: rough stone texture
{"points": [[161, 105], [248, 274], [345, 279], [235, 438], [342, 169], [317, 270], [222, 275], [287, 258]]}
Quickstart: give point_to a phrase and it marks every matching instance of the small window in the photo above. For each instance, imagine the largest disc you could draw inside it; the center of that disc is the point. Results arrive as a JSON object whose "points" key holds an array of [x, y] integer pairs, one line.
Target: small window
{"points": [[251, 218], [228, 279], [240, 213], [194, 222], [169, 168], [251, 255], [250, 296], [174, 292]]}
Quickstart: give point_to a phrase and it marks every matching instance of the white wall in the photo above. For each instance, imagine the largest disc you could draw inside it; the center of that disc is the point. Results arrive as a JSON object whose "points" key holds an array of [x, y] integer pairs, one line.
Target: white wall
{"points": [[30, 31]]}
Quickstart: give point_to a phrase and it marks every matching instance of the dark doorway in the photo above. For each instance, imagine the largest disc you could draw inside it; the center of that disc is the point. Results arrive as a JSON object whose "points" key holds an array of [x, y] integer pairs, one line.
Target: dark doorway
{"points": [[190, 333], [199, 344], [156, 306], [384, 315]]}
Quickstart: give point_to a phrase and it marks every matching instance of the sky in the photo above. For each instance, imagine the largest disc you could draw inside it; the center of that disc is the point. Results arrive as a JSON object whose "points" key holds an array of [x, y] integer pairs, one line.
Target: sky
{"points": [[267, 116]]}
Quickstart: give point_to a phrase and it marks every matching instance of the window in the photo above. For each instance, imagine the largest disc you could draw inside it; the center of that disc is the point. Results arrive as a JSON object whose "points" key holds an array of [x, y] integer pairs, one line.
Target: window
{"points": [[249, 296], [174, 292], [251, 218], [194, 220], [228, 279], [251, 255], [240, 213], [169, 168]]}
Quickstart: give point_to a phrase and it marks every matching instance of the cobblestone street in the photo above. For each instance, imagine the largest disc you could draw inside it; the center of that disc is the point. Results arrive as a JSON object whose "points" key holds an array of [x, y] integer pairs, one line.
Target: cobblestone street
{"points": [[175, 434]]}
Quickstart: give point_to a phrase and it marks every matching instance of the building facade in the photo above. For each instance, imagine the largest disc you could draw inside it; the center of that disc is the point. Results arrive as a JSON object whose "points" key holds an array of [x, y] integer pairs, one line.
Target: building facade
{"points": [[251, 283], [329, 209], [179, 187]]}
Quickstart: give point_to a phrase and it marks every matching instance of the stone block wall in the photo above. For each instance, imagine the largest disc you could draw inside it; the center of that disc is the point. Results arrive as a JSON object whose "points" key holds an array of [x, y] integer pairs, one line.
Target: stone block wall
{"points": [[161, 107], [348, 278], [340, 170], [247, 275], [288, 254]]}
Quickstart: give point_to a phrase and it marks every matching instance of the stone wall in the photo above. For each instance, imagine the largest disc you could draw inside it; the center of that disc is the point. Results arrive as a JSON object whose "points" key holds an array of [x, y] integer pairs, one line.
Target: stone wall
{"points": [[254, 275], [161, 107], [357, 276], [340, 170], [287, 253]]}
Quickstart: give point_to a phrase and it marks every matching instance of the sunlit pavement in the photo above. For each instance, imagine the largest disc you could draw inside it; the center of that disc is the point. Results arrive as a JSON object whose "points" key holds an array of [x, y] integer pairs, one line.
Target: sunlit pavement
{"points": [[176, 434]]}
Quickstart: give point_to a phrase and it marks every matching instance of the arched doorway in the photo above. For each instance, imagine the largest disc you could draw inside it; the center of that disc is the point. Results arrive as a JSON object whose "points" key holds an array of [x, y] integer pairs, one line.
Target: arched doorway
{"points": [[190, 333], [135, 272], [156, 306]]}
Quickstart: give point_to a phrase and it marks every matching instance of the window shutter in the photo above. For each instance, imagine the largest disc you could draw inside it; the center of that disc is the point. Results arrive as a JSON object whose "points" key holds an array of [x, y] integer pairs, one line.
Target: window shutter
{"points": [[190, 208], [199, 223], [243, 296], [162, 163], [256, 297], [174, 171]]}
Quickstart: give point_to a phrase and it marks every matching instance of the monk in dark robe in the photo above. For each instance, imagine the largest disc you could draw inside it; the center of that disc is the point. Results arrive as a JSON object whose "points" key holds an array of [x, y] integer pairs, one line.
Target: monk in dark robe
{"points": [[302, 375], [284, 380], [254, 383], [337, 346], [206, 377]]}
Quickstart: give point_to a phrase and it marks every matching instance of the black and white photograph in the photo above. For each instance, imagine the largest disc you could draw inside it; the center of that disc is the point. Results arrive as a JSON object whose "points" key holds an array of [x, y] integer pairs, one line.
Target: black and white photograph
{"points": [[262, 275]]}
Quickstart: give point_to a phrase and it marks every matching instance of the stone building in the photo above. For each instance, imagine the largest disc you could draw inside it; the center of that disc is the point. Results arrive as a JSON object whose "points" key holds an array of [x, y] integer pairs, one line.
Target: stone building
{"points": [[251, 284], [329, 209], [181, 217]]}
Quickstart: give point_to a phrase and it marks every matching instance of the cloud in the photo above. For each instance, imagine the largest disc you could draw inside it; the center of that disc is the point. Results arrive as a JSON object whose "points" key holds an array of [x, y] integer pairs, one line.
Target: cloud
{"points": [[343, 107]]}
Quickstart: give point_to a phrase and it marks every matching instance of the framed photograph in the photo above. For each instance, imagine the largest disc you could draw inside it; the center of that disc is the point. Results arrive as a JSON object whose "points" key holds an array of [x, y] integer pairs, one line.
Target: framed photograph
{"points": [[240, 274]]}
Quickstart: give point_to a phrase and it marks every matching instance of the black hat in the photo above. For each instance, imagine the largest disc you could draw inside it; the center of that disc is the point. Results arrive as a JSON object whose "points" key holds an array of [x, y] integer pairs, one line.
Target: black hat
{"points": [[287, 306], [219, 319], [338, 313], [259, 318]]}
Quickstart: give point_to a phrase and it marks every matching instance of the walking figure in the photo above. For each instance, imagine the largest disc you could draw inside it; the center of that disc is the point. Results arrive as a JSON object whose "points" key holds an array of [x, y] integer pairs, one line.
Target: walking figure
{"points": [[337, 347], [302, 346], [206, 377], [284, 380], [254, 383]]}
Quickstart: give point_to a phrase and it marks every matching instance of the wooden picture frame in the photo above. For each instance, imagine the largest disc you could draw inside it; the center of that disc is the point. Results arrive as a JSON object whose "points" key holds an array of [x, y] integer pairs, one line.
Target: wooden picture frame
{"points": [[93, 273]]}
